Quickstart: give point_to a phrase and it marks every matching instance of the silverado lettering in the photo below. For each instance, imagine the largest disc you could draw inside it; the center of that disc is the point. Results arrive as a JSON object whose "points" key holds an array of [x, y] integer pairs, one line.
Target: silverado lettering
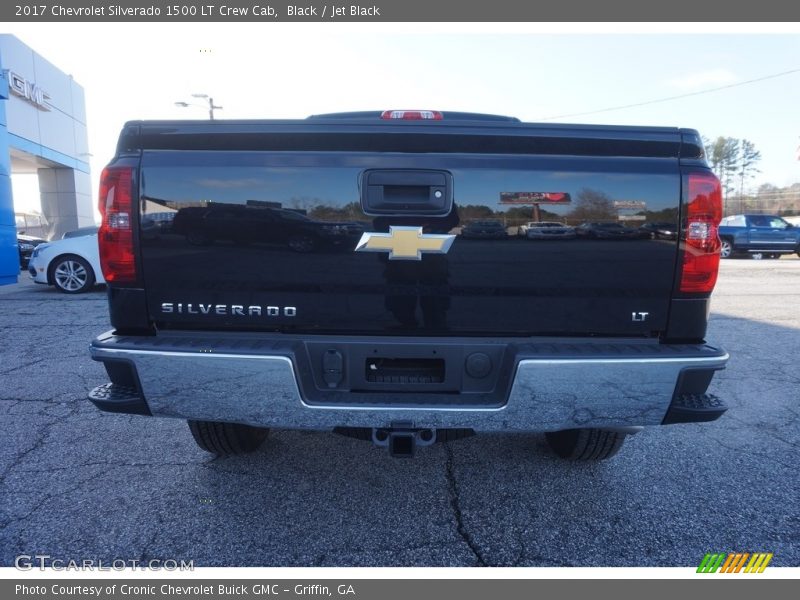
{"points": [[225, 309], [405, 277]]}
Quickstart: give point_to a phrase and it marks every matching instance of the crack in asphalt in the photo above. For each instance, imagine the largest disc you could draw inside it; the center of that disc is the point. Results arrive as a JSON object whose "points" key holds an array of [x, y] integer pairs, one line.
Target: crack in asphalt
{"points": [[14, 403], [24, 366], [768, 429], [42, 433], [522, 550], [48, 400], [115, 465], [146, 550], [455, 504], [47, 497], [760, 455]]}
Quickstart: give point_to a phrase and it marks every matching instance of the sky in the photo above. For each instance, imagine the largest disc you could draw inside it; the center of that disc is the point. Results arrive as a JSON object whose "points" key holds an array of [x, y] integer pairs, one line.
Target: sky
{"points": [[292, 70]]}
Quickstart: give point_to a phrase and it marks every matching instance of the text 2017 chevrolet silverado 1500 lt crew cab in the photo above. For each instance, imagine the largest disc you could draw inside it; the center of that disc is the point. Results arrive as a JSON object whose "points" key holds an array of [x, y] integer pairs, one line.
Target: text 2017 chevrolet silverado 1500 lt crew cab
{"points": [[350, 303]]}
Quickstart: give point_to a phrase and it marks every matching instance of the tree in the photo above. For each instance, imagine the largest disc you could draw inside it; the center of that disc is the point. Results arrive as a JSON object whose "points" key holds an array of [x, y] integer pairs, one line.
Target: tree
{"points": [[304, 203], [525, 213], [732, 160], [349, 212], [593, 205], [668, 215], [723, 156], [779, 200], [748, 159], [474, 211], [768, 189]]}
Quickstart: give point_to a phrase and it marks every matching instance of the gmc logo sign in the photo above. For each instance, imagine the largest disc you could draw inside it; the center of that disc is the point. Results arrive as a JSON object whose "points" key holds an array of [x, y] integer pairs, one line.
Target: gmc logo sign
{"points": [[19, 86]]}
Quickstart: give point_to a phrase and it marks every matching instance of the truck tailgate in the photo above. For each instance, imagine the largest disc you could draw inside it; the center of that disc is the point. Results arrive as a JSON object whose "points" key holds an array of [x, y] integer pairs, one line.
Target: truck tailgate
{"points": [[263, 238]]}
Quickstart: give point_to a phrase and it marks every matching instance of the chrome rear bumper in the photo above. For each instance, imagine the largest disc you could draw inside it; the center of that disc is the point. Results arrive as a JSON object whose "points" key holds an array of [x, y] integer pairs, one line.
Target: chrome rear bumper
{"points": [[547, 393]]}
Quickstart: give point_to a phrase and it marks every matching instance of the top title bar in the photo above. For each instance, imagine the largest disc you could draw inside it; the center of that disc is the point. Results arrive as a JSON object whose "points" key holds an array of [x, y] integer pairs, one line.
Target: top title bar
{"points": [[456, 11]]}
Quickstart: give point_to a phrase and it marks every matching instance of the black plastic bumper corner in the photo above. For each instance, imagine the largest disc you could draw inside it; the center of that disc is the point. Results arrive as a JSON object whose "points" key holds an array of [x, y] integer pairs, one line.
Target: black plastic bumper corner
{"points": [[694, 408], [116, 398]]}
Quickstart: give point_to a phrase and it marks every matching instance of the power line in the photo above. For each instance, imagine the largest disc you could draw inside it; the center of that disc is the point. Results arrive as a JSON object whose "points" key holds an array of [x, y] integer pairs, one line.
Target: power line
{"points": [[789, 197], [782, 193], [667, 99]]}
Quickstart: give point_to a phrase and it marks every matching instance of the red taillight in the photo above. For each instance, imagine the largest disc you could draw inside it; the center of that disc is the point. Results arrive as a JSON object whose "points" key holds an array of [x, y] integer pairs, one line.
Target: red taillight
{"points": [[700, 239], [115, 237], [413, 115]]}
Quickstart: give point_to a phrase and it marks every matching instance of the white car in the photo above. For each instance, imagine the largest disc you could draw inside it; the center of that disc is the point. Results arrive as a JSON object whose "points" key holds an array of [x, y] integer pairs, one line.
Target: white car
{"points": [[522, 230], [549, 230], [71, 264]]}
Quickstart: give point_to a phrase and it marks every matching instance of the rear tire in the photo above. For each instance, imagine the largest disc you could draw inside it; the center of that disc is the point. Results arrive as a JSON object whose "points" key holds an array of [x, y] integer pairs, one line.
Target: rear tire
{"points": [[726, 249], [227, 439], [585, 444]]}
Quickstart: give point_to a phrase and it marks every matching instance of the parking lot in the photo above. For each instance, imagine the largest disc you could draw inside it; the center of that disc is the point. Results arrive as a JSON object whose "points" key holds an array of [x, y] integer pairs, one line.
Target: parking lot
{"points": [[79, 484]]}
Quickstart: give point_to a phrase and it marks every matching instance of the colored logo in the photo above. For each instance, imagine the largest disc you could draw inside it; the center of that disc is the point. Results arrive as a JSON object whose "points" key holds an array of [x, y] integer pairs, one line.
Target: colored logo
{"points": [[735, 562], [405, 243]]}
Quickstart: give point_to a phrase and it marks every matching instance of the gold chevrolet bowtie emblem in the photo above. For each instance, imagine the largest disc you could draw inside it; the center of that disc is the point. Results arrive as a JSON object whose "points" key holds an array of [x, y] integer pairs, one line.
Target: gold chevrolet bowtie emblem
{"points": [[405, 243]]}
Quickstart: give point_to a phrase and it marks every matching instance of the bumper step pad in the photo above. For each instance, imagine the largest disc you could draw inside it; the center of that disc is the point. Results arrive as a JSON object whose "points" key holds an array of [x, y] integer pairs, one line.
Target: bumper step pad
{"points": [[694, 408], [112, 397]]}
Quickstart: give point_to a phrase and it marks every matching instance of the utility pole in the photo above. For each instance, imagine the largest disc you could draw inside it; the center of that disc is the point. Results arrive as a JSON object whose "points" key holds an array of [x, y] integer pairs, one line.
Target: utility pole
{"points": [[211, 106]]}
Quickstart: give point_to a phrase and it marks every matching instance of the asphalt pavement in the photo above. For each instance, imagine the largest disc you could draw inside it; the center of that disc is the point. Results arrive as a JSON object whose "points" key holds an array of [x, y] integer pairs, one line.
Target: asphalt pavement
{"points": [[78, 484]]}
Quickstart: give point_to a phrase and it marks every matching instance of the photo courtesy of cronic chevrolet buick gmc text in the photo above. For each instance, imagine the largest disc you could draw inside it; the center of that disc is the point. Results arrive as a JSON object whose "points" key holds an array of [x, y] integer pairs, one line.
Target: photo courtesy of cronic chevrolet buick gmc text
{"points": [[316, 276]]}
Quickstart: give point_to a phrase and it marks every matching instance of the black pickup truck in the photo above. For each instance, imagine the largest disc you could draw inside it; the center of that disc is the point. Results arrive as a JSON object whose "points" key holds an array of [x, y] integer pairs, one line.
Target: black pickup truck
{"points": [[390, 327]]}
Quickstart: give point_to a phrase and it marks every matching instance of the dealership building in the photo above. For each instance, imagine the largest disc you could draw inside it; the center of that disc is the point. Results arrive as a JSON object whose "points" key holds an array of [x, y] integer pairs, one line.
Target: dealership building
{"points": [[42, 132]]}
